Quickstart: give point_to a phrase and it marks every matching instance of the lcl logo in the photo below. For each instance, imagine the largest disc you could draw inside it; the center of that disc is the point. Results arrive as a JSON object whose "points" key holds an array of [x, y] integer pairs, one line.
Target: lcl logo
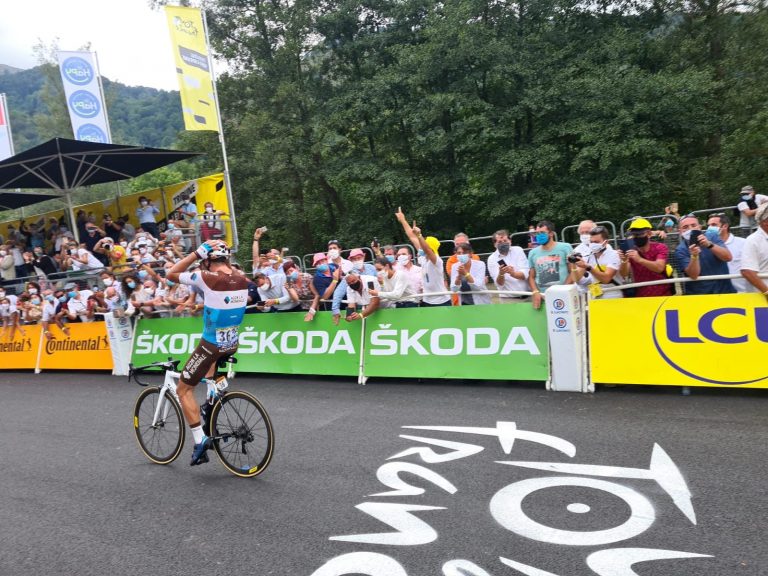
{"points": [[719, 346]]}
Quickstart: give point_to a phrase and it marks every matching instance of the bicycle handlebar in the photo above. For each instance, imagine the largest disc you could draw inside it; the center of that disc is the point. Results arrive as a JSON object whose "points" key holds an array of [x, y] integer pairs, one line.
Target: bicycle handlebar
{"points": [[169, 364]]}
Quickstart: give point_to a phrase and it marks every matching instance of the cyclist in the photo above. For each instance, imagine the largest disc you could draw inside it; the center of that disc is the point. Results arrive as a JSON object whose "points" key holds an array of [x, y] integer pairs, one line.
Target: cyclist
{"points": [[225, 292]]}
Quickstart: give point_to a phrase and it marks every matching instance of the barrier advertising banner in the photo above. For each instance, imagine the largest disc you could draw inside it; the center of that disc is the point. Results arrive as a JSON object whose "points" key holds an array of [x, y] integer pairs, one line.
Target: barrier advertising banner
{"points": [[502, 342], [20, 352], [479, 342], [86, 348], [190, 51], [85, 102], [718, 340]]}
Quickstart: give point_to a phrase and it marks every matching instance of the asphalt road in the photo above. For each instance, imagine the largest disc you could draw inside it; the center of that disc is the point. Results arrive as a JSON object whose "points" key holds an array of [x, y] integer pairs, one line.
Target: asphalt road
{"points": [[78, 497]]}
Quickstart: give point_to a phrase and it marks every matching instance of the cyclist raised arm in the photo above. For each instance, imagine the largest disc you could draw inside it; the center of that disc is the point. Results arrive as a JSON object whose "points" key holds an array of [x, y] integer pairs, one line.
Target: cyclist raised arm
{"points": [[225, 293]]}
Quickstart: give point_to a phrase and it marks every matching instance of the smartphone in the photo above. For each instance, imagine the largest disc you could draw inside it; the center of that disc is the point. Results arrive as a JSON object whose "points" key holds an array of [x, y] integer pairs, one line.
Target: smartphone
{"points": [[693, 240], [626, 245], [376, 242], [371, 285], [263, 229], [673, 207]]}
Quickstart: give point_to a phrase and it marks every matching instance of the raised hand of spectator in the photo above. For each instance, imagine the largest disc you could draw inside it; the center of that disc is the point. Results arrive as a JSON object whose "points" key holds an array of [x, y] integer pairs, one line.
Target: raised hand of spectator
{"points": [[399, 215], [696, 250], [416, 229]]}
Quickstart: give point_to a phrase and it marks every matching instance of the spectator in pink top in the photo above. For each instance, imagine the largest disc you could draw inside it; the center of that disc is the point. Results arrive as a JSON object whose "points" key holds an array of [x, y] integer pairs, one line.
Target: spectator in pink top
{"points": [[647, 260]]}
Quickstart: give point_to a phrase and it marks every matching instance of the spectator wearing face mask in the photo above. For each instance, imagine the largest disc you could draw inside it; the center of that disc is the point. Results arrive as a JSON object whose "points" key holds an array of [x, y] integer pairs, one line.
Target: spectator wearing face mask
{"points": [[339, 291], [645, 260], [702, 254], [468, 277], [360, 294], [298, 284], [31, 308], [722, 224], [75, 258], [508, 268], [50, 315], [548, 261], [323, 278], [7, 267], [412, 272], [146, 213], [92, 236], [432, 268], [112, 228], [274, 293], [109, 280], [77, 303], [334, 257], [750, 202], [211, 225], [599, 267], [460, 238], [393, 287], [9, 316], [144, 299], [43, 262]]}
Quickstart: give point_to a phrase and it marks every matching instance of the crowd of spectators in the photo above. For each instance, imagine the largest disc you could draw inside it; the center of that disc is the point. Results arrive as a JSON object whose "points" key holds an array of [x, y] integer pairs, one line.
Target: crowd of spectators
{"points": [[50, 278]]}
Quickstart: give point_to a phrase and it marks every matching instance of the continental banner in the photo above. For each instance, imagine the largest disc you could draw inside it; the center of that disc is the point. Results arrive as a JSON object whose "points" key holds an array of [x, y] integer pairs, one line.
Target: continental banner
{"points": [[86, 348], [19, 352], [478, 342], [190, 51], [719, 340]]}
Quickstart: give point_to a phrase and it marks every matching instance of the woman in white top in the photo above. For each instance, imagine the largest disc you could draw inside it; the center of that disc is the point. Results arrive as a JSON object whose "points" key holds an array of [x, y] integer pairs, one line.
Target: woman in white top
{"points": [[468, 277]]}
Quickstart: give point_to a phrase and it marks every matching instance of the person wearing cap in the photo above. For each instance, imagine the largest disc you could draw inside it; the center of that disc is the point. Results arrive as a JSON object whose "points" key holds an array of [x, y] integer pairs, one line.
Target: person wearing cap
{"points": [[146, 213], [548, 262], [323, 278], [508, 268], [750, 201], [647, 260], [704, 256], [334, 257], [431, 265], [754, 257], [360, 268]]}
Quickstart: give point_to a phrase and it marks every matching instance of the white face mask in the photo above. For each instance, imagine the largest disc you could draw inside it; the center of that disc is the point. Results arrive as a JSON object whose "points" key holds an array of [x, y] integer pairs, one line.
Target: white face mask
{"points": [[3, 252], [403, 259], [144, 202], [333, 254], [124, 244], [596, 247], [33, 290], [209, 209], [584, 238], [108, 281], [149, 291], [358, 265]]}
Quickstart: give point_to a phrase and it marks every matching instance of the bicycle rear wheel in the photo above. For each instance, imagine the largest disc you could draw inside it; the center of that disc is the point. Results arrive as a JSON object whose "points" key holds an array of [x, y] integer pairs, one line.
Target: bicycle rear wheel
{"points": [[161, 442], [242, 434]]}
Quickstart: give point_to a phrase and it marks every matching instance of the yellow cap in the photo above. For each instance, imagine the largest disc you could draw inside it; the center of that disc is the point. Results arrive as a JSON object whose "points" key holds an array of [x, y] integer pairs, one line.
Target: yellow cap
{"points": [[640, 224], [433, 243]]}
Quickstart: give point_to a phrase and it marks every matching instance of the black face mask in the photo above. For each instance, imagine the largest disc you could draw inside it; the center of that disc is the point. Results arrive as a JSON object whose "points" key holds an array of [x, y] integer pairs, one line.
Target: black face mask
{"points": [[503, 248], [355, 286], [641, 241]]}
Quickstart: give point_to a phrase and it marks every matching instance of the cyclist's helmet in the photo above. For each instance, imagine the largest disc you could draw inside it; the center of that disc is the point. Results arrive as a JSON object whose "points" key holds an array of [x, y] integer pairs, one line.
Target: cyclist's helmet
{"points": [[220, 252]]}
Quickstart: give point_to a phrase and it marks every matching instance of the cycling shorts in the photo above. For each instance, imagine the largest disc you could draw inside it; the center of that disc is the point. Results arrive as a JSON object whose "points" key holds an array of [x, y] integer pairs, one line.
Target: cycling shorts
{"points": [[203, 357]]}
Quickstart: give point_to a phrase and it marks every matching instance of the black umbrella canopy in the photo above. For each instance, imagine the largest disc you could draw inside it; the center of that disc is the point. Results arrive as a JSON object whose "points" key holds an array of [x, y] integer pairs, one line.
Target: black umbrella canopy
{"points": [[62, 164], [13, 200]]}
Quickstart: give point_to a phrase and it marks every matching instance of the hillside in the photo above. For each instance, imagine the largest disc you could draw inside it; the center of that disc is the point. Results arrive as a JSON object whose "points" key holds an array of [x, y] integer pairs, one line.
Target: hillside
{"points": [[137, 115]]}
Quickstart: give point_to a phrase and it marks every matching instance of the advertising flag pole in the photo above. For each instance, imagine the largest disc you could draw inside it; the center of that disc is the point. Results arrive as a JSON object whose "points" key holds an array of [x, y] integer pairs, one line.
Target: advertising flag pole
{"points": [[106, 117], [227, 182]]}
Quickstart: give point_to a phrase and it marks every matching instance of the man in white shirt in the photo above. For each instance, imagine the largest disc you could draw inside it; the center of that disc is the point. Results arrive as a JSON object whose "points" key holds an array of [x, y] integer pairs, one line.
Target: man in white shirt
{"points": [[273, 292], [754, 256], [81, 259], [395, 287], [508, 268], [49, 315], [359, 288], [598, 266], [735, 245], [750, 202], [334, 257], [77, 305], [146, 214]]}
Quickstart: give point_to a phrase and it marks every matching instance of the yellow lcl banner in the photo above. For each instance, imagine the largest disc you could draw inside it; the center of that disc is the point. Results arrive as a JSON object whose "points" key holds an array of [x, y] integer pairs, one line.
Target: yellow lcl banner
{"points": [[190, 52], [718, 340]]}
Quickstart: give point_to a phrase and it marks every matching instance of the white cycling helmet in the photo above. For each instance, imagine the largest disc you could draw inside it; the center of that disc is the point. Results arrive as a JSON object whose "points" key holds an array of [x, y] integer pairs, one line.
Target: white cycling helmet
{"points": [[220, 251]]}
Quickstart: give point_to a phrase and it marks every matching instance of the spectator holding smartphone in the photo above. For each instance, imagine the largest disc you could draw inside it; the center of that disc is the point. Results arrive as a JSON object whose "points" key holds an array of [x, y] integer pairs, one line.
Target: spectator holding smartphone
{"points": [[508, 268], [754, 259], [359, 295], [646, 260], [702, 254]]}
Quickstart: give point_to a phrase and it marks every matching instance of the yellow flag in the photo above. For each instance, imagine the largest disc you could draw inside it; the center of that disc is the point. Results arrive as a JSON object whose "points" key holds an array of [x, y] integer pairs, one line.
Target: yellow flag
{"points": [[193, 68]]}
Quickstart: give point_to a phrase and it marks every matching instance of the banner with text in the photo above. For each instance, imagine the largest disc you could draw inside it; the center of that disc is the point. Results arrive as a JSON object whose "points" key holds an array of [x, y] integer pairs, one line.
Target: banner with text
{"points": [[85, 102], [190, 51], [6, 142], [86, 348], [718, 340], [18, 348], [478, 342]]}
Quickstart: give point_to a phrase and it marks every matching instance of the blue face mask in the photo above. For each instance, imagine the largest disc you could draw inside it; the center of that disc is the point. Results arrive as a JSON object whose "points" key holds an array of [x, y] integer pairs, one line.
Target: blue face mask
{"points": [[62, 299], [322, 268], [420, 253], [542, 238], [463, 258], [669, 224], [50, 298], [131, 284], [293, 276], [170, 283], [391, 258], [143, 274], [746, 197], [72, 294], [171, 226]]}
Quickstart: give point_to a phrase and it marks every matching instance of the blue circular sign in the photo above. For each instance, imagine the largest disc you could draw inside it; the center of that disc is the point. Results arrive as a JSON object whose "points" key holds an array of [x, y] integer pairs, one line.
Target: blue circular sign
{"points": [[77, 71], [91, 133], [84, 104]]}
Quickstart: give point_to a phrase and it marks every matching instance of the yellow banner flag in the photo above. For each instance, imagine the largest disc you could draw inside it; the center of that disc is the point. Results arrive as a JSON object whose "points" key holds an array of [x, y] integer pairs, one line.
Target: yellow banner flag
{"points": [[190, 49]]}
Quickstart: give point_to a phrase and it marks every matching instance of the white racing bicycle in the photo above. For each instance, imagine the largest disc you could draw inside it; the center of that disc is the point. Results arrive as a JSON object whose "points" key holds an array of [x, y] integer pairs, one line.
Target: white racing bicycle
{"points": [[235, 420]]}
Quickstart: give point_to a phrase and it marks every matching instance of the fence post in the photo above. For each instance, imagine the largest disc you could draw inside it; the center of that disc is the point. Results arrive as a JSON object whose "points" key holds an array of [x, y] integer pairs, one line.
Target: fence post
{"points": [[567, 333]]}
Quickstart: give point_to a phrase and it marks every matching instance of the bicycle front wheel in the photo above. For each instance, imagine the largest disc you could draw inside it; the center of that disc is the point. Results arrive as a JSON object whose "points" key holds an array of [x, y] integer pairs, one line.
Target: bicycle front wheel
{"points": [[242, 434], [162, 441]]}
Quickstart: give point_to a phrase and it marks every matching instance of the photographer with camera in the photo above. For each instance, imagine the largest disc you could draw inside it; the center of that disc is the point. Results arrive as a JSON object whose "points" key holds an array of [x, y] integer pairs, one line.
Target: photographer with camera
{"points": [[703, 254], [599, 268]]}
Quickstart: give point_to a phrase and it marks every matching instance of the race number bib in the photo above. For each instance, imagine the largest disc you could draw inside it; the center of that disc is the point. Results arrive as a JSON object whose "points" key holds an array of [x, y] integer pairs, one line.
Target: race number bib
{"points": [[226, 337]]}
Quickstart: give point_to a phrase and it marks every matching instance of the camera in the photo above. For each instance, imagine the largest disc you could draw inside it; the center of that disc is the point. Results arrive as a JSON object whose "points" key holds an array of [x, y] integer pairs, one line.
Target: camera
{"points": [[573, 258], [694, 239]]}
